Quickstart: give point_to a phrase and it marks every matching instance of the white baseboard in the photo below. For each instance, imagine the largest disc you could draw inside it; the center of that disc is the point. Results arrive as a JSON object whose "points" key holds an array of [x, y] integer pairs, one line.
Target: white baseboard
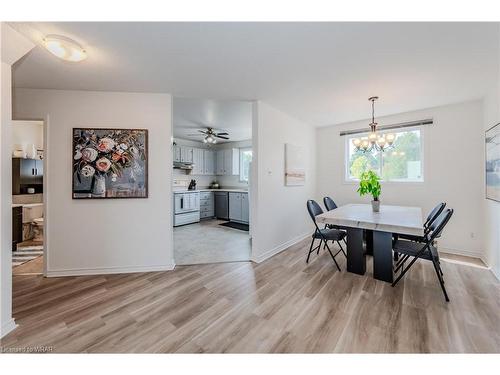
{"points": [[108, 270], [466, 253], [278, 249], [7, 327]]}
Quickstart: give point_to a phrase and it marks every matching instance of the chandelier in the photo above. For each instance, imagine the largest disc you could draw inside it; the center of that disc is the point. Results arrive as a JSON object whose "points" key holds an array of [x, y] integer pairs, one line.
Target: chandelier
{"points": [[374, 141]]}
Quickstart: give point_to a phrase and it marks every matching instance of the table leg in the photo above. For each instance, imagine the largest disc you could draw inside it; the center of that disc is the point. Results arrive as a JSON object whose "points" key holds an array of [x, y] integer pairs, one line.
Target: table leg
{"points": [[382, 256], [356, 257]]}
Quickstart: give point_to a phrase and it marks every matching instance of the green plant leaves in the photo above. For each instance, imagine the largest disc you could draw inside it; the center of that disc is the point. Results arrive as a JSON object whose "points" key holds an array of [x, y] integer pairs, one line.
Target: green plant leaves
{"points": [[369, 183]]}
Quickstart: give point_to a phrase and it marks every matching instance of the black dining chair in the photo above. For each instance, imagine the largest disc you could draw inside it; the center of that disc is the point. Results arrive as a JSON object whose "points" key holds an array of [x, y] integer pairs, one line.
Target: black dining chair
{"points": [[329, 203], [323, 235], [433, 215], [424, 250]]}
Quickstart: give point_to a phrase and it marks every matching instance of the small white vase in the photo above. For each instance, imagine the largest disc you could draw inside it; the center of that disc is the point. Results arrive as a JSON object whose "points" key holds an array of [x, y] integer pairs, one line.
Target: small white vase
{"points": [[99, 188], [376, 206]]}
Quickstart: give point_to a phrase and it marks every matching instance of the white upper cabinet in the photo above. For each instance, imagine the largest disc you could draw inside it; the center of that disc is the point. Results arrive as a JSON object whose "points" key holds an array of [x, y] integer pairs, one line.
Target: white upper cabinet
{"points": [[176, 149], [208, 162], [198, 162], [228, 162], [186, 154], [219, 163]]}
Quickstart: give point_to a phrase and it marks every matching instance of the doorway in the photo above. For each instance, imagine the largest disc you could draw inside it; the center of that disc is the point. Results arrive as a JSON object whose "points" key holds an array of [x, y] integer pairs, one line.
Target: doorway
{"points": [[212, 154], [28, 218]]}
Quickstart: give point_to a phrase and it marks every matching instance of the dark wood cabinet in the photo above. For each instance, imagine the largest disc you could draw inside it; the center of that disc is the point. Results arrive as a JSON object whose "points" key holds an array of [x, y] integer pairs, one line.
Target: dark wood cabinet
{"points": [[17, 226], [27, 173]]}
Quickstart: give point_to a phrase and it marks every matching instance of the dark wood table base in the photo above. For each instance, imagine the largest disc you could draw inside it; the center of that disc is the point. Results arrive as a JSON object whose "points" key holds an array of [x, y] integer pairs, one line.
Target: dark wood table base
{"points": [[361, 242]]}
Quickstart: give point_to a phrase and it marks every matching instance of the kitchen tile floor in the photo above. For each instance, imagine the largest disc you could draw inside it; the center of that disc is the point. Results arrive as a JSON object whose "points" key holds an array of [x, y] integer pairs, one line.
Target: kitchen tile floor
{"points": [[209, 242]]}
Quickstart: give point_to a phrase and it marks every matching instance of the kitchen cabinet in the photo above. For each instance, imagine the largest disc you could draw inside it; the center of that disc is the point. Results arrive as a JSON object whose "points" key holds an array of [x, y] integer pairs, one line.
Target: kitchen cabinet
{"points": [[228, 162], [198, 162], [182, 154], [27, 173], [186, 154], [238, 207], [208, 162], [207, 209], [176, 150]]}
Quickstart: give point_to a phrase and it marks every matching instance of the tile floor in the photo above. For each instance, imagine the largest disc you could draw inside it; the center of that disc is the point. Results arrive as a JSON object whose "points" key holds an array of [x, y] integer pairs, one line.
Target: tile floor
{"points": [[209, 242]]}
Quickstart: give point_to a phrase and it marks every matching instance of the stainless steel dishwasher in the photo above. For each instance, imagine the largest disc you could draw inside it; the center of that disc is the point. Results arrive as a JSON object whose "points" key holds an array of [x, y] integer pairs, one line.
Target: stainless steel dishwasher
{"points": [[222, 205]]}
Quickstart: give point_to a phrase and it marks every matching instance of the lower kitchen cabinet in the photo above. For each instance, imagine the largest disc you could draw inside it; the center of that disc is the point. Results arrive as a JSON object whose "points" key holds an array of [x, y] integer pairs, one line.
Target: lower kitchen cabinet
{"points": [[238, 207], [207, 206]]}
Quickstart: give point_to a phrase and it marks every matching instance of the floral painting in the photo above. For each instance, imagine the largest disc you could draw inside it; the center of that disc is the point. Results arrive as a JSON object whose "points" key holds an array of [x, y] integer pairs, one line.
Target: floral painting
{"points": [[110, 163]]}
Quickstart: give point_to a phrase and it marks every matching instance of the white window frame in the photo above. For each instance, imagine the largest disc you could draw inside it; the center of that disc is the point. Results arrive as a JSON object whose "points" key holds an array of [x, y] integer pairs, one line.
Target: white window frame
{"points": [[348, 138], [243, 149]]}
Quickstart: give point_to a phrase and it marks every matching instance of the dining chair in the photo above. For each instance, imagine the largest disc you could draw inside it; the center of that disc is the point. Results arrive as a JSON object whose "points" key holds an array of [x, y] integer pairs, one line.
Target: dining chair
{"points": [[424, 250], [323, 235], [433, 215], [329, 203]]}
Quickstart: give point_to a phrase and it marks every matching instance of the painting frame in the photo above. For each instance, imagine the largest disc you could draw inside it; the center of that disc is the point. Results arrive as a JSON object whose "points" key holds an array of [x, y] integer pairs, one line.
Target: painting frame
{"points": [[295, 171], [492, 163], [79, 195]]}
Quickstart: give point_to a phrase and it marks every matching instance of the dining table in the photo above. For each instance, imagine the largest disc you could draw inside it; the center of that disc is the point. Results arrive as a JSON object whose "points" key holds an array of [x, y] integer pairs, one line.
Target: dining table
{"points": [[371, 233]]}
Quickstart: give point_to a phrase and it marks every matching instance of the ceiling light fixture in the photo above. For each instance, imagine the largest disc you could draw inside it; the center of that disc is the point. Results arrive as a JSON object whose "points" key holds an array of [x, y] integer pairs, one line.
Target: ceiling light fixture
{"points": [[374, 141], [64, 48]]}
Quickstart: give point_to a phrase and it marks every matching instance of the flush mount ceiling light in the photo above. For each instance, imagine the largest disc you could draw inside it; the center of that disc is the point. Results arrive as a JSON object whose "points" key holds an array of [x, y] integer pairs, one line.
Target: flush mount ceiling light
{"points": [[374, 142], [64, 48]]}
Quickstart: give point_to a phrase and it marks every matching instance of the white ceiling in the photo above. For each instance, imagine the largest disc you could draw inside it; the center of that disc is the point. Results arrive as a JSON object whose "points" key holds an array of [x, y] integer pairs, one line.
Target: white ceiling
{"points": [[230, 116], [321, 73]]}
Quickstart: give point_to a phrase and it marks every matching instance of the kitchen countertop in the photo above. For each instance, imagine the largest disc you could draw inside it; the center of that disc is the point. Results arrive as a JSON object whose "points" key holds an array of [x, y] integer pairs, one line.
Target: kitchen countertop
{"points": [[27, 205], [229, 190]]}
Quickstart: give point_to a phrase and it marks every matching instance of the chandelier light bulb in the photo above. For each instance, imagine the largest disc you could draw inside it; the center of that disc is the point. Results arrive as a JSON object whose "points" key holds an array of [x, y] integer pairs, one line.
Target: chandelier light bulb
{"points": [[390, 138], [356, 142]]}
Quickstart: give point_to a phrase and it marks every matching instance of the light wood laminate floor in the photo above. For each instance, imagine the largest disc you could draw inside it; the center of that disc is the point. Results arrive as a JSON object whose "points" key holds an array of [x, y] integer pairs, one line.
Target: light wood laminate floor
{"points": [[280, 305]]}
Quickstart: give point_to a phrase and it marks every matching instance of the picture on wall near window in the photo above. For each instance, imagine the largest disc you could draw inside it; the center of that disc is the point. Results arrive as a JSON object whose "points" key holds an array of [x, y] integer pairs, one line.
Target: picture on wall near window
{"points": [[110, 163], [295, 174], [492, 139]]}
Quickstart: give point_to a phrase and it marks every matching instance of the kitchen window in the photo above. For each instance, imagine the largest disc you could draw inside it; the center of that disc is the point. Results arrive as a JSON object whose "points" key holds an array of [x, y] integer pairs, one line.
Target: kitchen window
{"points": [[245, 160], [403, 163]]}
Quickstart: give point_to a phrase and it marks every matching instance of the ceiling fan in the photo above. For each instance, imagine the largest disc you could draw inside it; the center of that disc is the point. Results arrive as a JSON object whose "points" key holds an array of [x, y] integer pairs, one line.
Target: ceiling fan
{"points": [[211, 135]]}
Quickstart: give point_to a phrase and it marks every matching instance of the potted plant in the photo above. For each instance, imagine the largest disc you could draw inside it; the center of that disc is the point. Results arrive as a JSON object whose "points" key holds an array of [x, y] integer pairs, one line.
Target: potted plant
{"points": [[369, 183]]}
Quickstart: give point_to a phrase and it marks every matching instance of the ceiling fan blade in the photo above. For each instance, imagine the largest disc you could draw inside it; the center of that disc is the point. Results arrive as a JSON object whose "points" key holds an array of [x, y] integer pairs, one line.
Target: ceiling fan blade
{"points": [[219, 136], [203, 131], [224, 133]]}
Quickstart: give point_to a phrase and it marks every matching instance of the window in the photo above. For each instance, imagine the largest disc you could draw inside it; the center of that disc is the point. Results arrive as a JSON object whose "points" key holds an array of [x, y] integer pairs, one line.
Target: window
{"points": [[245, 160], [402, 163]]}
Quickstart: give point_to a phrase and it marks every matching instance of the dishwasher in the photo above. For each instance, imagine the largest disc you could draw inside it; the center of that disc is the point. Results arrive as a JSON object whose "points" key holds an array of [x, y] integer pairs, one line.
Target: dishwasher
{"points": [[221, 205]]}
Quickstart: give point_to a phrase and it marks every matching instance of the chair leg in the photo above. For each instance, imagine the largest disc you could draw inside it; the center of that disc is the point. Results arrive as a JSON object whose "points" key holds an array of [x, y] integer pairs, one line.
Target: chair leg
{"points": [[342, 249], [404, 271], [401, 263], [441, 281], [319, 246], [310, 250], [333, 257]]}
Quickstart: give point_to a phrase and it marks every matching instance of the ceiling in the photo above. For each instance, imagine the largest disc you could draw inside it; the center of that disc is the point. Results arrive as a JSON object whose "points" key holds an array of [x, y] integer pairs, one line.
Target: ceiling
{"points": [[321, 73], [191, 115]]}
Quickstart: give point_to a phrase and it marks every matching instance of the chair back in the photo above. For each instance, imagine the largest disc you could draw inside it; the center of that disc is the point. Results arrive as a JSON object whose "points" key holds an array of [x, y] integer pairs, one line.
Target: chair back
{"points": [[436, 211], [437, 226], [329, 203], [314, 210]]}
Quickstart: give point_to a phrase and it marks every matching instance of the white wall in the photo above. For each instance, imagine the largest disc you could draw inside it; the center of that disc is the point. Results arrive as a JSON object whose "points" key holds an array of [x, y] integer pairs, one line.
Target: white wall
{"points": [[279, 214], [13, 46], [103, 236], [25, 133], [453, 171], [491, 116]]}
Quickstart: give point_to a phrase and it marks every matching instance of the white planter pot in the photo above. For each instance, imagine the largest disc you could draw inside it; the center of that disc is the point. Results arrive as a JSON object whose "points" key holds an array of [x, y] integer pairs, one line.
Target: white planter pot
{"points": [[376, 206]]}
